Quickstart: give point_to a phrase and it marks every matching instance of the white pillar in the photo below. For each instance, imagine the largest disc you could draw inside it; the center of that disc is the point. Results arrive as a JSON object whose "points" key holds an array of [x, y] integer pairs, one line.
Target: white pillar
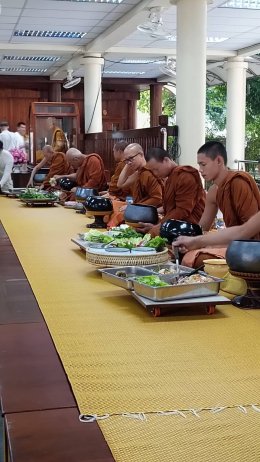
{"points": [[191, 77], [93, 93], [236, 110]]}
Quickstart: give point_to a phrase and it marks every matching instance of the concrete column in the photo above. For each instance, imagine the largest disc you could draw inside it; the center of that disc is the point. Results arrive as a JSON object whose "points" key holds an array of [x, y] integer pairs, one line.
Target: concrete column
{"points": [[93, 93], [191, 77], [236, 110]]}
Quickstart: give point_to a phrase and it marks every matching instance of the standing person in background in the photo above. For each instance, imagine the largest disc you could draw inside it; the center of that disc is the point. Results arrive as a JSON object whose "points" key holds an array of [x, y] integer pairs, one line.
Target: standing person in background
{"points": [[58, 138], [20, 137], [6, 166], [8, 138]]}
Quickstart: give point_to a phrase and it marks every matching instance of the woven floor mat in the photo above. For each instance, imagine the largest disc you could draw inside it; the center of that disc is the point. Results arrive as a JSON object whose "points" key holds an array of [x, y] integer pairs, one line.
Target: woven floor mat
{"points": [[120, 360]]}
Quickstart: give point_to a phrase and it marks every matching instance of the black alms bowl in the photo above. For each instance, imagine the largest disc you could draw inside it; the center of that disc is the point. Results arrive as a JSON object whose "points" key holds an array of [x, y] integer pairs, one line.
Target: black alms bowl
{"points": [[98, 204], [82, 193], [139, 212], [244, 256], [67, 184], [171, 229]]}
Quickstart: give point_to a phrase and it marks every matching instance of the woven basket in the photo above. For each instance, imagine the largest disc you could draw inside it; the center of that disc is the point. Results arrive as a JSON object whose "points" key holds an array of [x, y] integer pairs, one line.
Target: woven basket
{"points": [[129, 260]]}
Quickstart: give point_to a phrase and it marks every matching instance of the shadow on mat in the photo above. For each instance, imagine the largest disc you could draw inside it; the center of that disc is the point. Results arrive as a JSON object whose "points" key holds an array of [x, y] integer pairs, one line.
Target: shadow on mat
{"points": [[124, 301]]}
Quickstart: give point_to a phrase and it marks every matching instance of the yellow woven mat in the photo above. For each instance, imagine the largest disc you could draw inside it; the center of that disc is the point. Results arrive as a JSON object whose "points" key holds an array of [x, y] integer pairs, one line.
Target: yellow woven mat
{"points": [[120, 360]]}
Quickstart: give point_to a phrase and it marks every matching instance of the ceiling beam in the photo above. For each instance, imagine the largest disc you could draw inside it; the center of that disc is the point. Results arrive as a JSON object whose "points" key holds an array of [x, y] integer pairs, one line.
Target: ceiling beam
{"points": [[124, 26], [249, 51], [125, 51], [40, 49]]}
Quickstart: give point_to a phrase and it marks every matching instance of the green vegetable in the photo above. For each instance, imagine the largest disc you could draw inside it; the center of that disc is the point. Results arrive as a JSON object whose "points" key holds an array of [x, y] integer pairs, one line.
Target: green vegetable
{"points": [[157, 243], [97, 236], [32, 193], [153, 281]]}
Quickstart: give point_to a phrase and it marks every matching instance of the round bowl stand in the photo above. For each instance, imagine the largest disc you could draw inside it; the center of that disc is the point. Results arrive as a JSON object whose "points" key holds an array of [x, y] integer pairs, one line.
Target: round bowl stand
{"points": [[251, 300], [99, 219]]}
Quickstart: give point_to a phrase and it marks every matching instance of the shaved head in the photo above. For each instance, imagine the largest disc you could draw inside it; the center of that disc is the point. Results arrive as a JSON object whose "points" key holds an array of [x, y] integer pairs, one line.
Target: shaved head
{"points": [[75, 157]]}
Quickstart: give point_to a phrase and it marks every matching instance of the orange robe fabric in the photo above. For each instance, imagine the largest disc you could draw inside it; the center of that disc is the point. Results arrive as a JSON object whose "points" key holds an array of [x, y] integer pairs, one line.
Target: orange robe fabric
{"points": [[184, 197], [114, 190], [59, 142], [91, 174], [147, 189], [59, 166], [238, 198]]}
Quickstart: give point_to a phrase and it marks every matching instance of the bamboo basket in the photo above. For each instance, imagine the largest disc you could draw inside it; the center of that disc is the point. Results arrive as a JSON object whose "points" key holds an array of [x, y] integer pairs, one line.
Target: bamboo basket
{"points": [[126, 260]]}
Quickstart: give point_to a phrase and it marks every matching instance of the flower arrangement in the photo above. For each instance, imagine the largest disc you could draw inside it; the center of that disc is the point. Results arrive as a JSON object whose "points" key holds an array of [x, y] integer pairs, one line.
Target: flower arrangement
{"points": [[19, 156]]}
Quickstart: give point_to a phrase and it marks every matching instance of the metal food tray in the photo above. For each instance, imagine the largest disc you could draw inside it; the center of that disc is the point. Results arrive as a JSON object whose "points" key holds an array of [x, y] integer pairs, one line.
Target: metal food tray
{"points": [[168, 277], [109, 274], [178, 292]]}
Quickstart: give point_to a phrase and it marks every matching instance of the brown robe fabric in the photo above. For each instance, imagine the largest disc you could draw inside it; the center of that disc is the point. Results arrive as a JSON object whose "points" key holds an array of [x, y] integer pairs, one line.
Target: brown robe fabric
{"points": [[238, 198], [147, 189], [114, 190], [91, 174], [184, 197], [59, 166]]}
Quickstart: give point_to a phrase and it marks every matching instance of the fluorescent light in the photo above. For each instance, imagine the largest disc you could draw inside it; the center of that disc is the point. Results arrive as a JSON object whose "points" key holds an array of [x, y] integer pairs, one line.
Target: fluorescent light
{"points": [[49, 34], [124, 72], [142, 61], [32, 58], [22, 69], [92, 1], [209, 39], [247, 4]]}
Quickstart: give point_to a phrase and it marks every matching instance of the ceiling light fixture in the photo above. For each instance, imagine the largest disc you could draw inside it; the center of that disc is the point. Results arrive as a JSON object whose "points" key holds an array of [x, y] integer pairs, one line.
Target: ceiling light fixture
{"points": [[244, 4], [49, 34], [142, 61], [124, 72], [153, 25], [32, 58], [92, 1], [23, 69]]}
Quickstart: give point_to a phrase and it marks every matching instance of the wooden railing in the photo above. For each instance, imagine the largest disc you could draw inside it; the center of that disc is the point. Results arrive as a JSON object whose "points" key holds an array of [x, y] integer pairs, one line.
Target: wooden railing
{"points": [[102, 143]]}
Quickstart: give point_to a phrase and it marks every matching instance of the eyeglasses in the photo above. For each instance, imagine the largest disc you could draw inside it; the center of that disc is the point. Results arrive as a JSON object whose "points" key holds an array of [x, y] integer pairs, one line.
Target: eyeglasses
{"points": [[129, 160]]}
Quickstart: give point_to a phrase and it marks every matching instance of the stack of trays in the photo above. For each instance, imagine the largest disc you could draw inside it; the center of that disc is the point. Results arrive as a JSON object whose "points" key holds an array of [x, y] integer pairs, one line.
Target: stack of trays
{"points": [[125, 277]]}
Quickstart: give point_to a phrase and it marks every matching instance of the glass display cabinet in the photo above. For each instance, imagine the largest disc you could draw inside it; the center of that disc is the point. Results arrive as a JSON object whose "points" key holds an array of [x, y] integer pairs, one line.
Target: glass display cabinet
{"points": [[56, 124]]}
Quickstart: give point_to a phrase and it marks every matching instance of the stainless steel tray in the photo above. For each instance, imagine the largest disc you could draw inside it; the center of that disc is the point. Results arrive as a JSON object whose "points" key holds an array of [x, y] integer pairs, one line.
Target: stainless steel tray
{"points": [[168, 277], [178, 292], [109, 274]]}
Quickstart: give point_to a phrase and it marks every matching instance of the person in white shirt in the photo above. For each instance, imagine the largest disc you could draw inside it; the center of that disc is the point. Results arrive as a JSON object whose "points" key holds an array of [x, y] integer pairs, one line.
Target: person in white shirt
{"points": [[8, 138], [20, 137], [6, 166]]}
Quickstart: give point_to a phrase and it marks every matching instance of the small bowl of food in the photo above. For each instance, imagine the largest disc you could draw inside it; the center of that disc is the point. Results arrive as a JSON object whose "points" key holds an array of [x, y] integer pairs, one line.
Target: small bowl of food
{"points": [[215, 267]]}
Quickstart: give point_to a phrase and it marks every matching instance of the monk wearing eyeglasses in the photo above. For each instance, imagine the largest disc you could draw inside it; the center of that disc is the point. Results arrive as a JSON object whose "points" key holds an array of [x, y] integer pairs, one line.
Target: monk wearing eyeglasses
{"points": [[146, 188]]}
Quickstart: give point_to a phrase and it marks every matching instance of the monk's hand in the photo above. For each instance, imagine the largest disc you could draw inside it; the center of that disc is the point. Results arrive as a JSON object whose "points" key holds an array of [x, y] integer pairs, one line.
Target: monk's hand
{"points": [[144, 227], [73, 190], [185, 243]]}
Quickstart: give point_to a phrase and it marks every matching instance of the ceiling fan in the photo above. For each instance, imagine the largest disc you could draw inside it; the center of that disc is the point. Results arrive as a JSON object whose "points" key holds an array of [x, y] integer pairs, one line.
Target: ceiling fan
{"points": [[153, 25], [169, 67], [70, 81]]}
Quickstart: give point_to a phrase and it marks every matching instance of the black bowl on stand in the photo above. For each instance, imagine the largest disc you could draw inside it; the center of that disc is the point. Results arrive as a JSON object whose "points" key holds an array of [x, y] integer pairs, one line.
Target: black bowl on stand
{"points": [[136, 213], [98, 207], [243, 259], [171, 229], [66, 184]]}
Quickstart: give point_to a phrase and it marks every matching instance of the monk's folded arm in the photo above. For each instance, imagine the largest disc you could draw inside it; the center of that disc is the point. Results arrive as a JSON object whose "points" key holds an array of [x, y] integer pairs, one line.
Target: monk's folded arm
{"points": [[153, 192], [211, 209], [94, 173], [185, 198]]}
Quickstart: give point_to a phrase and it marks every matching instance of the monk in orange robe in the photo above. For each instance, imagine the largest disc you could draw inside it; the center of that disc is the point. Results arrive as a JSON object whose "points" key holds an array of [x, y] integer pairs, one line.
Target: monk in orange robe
{"points": [[58, 163], [184, 196], [58, 138], [145, 186], [234, 193], [114, 190], [90, 172]]}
